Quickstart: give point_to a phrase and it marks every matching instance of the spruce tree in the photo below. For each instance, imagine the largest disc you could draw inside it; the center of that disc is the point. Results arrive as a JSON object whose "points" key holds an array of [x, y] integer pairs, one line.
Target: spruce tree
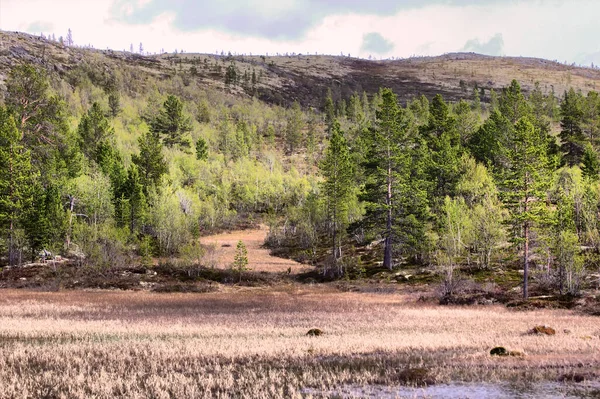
{"points": [[336, 169]]}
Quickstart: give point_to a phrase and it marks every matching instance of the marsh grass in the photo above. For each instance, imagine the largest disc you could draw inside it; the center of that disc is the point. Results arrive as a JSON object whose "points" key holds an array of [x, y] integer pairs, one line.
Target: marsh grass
{"points": [[251, 342]]}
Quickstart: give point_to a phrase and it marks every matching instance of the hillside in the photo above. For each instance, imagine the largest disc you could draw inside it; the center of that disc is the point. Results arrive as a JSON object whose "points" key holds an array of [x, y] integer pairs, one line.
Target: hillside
{"points": [[306, 78]]}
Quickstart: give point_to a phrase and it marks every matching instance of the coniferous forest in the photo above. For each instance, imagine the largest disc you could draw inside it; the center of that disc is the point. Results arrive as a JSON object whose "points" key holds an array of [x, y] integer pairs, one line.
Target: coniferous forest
{"points": [[107, 169]]}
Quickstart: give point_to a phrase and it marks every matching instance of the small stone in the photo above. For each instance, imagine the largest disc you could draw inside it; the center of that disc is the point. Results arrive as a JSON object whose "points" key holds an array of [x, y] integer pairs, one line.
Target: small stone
{"points": [[545, 330]]}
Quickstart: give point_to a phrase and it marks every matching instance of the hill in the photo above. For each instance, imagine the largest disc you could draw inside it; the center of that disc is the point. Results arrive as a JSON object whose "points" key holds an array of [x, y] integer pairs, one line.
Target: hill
{"points": [[306, 78]]}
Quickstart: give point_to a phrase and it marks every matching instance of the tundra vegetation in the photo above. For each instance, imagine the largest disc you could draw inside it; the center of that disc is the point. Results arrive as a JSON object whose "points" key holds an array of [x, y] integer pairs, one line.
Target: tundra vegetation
{"points": [[125, 173]]}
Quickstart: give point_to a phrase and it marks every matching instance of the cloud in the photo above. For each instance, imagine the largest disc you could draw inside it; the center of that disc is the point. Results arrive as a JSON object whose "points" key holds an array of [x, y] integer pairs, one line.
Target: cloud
{"points": [[375, 43], [272, 19], [40, 27], [494, 46]]}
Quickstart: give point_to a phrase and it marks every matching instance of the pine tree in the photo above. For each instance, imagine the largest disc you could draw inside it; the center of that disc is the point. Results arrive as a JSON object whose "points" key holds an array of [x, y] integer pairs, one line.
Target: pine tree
{"points": [[16, 180], [393, 191], [590, 163], [293, 131], [201, 149], [172, 124], [93, 130], [150, 161], [114, 103], [512, 103], [133, 200], [336, 169], [240, 260], [524, 185], [571, 134]]}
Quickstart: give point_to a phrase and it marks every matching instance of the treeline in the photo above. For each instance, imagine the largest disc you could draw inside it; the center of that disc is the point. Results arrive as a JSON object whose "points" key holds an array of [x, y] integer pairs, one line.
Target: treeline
{"points": [[455, 185], [109, 168]]}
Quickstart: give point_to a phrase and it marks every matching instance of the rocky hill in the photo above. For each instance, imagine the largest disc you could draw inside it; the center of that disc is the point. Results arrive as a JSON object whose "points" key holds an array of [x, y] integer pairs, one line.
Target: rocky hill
{"points": [[306, 78]]}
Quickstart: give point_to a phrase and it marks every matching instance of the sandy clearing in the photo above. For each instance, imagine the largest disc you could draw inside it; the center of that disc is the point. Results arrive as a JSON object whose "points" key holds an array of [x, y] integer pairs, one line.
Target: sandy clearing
{"points": [[259, 258]]}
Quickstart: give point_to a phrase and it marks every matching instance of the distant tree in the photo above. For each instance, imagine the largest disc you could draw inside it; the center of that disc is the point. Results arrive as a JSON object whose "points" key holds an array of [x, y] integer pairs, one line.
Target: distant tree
{"points": [[203, 114], [590, 164], [114, 103], [150, 161], [172, 124], [231, 75], [571, 134], [329, 109], [141, 48], [131, 48], [69, 41], [294, 126], [93, 130], [201, 149]]}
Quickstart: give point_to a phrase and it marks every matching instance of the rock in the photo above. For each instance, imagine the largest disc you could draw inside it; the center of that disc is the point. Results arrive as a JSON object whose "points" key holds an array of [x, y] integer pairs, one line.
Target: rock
{"points": [[542, 330], [315, 332], [499, 351], [516, 353]]}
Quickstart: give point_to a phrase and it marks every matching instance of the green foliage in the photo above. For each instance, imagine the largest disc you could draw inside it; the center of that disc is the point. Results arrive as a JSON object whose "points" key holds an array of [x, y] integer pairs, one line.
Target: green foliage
{"points": [[336, 169], [16, 181], [240, 261], [293, 131], [114, 103], [524, 185], [94, 130], [171, 124], [201, 150], [571, 134], [150, 161]]}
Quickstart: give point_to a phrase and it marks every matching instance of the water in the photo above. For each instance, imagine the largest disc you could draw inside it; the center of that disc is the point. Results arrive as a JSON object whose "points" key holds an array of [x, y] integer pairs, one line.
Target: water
{"points": [[546, 390]]}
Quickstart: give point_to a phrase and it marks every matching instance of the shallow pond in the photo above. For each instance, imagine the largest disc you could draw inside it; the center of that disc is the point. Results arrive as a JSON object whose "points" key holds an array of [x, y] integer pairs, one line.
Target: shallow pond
{"points": [[505, 390]]}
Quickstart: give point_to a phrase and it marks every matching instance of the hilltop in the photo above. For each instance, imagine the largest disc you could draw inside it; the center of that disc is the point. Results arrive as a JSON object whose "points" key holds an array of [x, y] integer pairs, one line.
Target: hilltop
{"points": [[305, 78]]}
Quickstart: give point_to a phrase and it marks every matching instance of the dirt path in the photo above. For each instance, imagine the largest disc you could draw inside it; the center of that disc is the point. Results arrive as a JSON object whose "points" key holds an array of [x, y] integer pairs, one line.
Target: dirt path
{"points": [[259, 258]]}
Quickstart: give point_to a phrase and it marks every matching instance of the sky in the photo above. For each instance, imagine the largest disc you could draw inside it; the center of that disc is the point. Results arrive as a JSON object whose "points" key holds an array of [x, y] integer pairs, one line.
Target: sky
{"points": [[562, 30]]}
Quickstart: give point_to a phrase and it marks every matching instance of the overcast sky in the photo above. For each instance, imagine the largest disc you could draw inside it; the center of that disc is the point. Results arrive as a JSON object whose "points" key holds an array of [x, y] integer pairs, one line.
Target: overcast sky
{"points": [[553, 29]]}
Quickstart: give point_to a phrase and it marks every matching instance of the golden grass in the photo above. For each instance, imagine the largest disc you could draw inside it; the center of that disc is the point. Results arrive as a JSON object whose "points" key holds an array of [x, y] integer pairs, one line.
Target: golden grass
{"points": [[253, 343]]}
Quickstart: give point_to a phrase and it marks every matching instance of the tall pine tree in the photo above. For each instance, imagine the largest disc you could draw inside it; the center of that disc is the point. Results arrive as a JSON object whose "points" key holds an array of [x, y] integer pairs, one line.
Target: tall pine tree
{"points": [[336, 169]]}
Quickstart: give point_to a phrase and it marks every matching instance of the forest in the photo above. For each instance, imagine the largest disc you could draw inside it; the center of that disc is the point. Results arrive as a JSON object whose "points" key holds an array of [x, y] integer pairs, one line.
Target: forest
{"points": [[107, 169]]}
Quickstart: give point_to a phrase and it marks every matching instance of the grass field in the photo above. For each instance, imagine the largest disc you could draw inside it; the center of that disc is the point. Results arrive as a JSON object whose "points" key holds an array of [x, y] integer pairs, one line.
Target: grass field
{"points": [[252, 343]]}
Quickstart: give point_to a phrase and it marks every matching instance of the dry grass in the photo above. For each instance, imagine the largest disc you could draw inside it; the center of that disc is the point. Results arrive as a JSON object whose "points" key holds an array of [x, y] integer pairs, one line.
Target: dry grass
{"points": [[259, 258], [253, 343]]}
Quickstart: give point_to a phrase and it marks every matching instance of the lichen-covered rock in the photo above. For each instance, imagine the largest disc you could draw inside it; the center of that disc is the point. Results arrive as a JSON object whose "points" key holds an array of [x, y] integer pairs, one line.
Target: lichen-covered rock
{"points": [[315, 332], [499, 351], [542, 330]]}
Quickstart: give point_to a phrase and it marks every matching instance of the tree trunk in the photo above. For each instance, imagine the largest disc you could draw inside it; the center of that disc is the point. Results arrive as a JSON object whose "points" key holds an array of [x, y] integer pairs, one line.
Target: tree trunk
{"points": [[526, 261], [387, 255]]}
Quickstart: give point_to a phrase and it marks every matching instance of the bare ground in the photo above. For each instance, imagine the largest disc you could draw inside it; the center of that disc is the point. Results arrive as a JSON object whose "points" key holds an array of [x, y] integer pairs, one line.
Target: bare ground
{"points": [[259, 258]]}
